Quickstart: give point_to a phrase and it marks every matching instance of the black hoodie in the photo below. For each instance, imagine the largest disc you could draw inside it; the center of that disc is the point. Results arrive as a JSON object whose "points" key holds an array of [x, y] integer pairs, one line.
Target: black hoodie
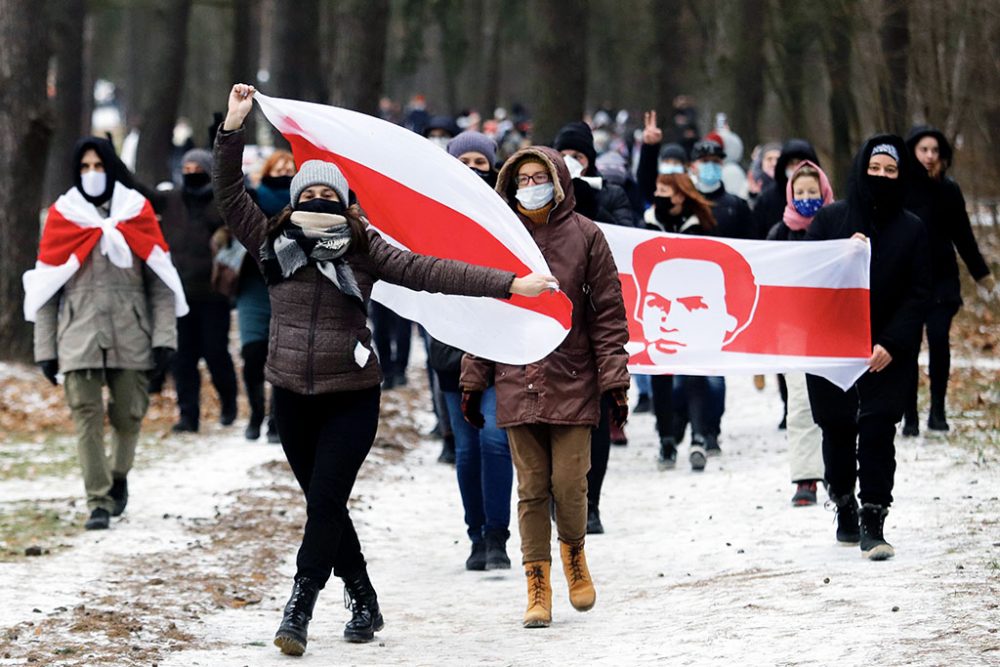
{"points": [[900, 283], [106, 151], [770, 205], [940, 204]]}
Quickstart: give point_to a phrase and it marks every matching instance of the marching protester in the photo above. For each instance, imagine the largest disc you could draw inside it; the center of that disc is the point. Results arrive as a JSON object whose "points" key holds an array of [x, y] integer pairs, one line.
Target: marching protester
{"points": [[320, 260], [482, 454], [550, 407], [678, 208], [601, 201], [109, 320], [189, 219], [808, 190], [770, 204], [937, 200], [253, 306], [859, 425]]}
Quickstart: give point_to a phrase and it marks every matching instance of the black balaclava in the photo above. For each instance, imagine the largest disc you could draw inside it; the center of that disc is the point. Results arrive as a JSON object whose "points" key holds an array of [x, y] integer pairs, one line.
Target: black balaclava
{"points": [[799, 149], [879, 196], [106, 151]]}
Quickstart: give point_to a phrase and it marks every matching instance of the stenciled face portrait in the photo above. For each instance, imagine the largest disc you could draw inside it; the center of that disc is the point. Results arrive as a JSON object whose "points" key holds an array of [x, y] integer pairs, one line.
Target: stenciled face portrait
{"points": [[683, 309]]}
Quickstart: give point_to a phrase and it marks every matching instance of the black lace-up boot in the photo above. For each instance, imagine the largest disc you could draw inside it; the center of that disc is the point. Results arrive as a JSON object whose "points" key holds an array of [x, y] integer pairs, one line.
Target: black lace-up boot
{"points": [[293, 631], [846, 505], [360, 598], [873, 544]]}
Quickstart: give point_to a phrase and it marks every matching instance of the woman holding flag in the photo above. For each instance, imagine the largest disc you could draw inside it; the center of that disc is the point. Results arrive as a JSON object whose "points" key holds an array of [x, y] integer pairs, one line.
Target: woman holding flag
{"points": [[320, 260]]}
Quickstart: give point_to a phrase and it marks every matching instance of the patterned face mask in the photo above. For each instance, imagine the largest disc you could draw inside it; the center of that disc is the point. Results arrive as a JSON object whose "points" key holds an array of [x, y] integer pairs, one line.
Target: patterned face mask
{"points": [[807, 208]]}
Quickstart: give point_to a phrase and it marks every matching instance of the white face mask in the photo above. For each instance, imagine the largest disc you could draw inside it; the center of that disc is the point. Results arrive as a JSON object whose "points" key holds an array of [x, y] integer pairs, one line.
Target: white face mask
{"points": [[440, 142], [574, 166], [94, 183], [534, 197], [671, 168]]}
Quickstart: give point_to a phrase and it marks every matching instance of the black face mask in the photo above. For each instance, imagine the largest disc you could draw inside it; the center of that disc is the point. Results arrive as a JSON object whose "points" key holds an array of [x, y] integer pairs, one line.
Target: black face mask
{"points": [[887, 193], [197, 180], [662, 207], [277, 182], [321, 206]]}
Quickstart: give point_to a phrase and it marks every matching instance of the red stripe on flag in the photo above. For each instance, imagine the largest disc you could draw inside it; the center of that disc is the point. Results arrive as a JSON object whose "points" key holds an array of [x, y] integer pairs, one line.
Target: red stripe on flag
{"points": [[62, 238], [792, 321], [429, 227]]}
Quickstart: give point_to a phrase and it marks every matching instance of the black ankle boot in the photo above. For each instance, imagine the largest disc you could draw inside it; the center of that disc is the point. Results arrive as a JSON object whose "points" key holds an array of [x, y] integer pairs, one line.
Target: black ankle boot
{"points": [[847, 518], [496, 550], [477, 557], [936, 421], [873, 544], [255, 396], [360, 598], [119, 494], [294, 629]]}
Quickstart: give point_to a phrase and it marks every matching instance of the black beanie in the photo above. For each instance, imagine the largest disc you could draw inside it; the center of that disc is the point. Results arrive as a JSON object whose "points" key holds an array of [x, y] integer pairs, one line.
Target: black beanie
{"points": [[674, 152], [577, 136]]}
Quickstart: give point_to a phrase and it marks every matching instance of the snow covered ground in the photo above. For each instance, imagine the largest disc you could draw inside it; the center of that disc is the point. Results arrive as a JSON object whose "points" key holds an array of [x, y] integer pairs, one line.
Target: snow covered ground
{"points": [[694, 569]]}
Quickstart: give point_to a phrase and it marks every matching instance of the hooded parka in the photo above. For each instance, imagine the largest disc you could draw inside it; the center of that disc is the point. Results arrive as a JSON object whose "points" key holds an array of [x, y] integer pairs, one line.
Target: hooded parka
{"points": [[565, 387]]}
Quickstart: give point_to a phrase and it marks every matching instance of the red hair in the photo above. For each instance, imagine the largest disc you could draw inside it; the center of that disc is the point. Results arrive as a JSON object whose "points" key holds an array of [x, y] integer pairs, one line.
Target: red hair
{"points": [[741, 284], [274, 158], [701, 207]]}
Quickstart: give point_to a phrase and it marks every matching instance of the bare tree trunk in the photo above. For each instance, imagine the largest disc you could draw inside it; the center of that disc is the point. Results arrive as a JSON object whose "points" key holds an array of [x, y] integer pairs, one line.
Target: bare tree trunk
{"points": [[66, 26], [894, 33], [25, 127], [559, 58], [454, 49], [246, 51], [792, 39], [839, 33], [296, 70], [492, 21], [359, 54], [748, 71], [165, 38], [668, 57]]}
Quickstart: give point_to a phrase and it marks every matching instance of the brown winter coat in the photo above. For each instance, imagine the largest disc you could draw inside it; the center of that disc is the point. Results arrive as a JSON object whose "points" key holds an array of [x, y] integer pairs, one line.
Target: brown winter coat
{"points": [[565, 387], [316, 330]]}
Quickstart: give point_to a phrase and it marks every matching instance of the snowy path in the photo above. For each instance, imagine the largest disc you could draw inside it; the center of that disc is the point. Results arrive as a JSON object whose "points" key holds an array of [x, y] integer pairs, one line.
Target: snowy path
{"points": [[713, 568]]}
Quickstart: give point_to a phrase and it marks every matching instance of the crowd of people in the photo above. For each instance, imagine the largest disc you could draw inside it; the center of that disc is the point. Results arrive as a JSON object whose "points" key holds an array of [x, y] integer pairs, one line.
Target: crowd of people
{"points": [[292, 250]]}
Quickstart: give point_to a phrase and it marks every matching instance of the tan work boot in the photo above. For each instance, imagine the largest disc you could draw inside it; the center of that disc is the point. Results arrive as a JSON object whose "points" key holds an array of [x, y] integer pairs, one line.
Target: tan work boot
{"points": [[581, 587], [539, 611]]}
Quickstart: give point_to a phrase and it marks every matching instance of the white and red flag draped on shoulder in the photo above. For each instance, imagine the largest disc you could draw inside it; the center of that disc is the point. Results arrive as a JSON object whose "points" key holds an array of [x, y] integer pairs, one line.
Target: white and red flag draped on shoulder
{"points": [[709, 306], [422, 199], [74, 226]]}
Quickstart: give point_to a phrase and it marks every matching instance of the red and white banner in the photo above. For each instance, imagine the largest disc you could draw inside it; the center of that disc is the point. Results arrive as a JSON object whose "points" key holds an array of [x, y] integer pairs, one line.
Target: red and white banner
{"points": [[74, 226], [422, 199], [704, 306]]}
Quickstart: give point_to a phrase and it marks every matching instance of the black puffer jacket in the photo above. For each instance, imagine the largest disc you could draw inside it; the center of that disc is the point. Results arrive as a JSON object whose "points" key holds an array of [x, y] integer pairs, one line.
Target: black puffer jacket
{"points": [[900, 283], [732, 215], [940, 204], [772, 201]]}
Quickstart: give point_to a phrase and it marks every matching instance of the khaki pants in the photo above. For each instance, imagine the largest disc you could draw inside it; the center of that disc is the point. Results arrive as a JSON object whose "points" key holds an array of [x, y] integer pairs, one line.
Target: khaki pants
{"points": [[126, 408], [552, 463], [805, 440]]}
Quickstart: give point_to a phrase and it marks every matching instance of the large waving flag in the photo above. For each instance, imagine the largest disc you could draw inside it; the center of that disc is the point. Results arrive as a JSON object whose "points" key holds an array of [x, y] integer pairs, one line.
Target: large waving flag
{"points": [[424, 200], [704, 306]]}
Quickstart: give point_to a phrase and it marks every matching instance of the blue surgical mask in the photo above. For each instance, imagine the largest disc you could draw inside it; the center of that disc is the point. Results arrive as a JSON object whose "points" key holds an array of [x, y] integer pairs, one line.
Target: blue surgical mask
{"points": [[807, 208], [671, 168], [534, 197], [709, 176]]}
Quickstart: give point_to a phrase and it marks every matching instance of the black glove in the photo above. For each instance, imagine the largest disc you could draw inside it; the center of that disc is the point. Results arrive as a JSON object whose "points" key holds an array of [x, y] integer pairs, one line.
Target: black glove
{"points": [[49, 369], [472, 408], [618, 404], [162, 356]]}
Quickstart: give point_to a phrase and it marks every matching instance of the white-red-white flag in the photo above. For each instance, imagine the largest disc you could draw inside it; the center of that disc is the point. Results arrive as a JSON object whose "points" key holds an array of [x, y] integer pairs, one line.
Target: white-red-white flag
{"points": [[73, 227], [710, 306], [422, 199]]}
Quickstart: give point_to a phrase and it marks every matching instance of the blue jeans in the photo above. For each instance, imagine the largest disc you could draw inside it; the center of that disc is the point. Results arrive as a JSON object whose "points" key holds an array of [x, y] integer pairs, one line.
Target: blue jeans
{"points": [[643, 384], [485, 471]]}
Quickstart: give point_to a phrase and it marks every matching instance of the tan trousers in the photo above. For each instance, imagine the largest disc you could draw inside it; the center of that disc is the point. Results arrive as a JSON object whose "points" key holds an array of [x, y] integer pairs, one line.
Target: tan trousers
{"points": [[552, 464], [126, 408]]}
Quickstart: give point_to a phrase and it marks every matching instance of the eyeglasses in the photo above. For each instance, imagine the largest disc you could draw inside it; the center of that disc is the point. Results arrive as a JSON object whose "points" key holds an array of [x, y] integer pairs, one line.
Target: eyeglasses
{"points": [[540, 178]]}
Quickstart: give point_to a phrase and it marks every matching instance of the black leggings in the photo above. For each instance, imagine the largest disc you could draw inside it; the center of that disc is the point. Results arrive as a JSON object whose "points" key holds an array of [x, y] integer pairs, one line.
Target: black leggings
{"points": [[326, 438], [600, 450]]}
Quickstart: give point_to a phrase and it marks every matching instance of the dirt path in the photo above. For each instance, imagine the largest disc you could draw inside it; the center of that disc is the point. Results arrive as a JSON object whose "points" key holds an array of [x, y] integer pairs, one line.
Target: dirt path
{"points": [[694, 569]]}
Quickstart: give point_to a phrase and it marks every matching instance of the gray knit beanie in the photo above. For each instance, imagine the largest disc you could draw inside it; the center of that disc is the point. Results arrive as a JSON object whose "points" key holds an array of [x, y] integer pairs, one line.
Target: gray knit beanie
{"points": [[472, 141], [318, 172], [200, 157]]}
